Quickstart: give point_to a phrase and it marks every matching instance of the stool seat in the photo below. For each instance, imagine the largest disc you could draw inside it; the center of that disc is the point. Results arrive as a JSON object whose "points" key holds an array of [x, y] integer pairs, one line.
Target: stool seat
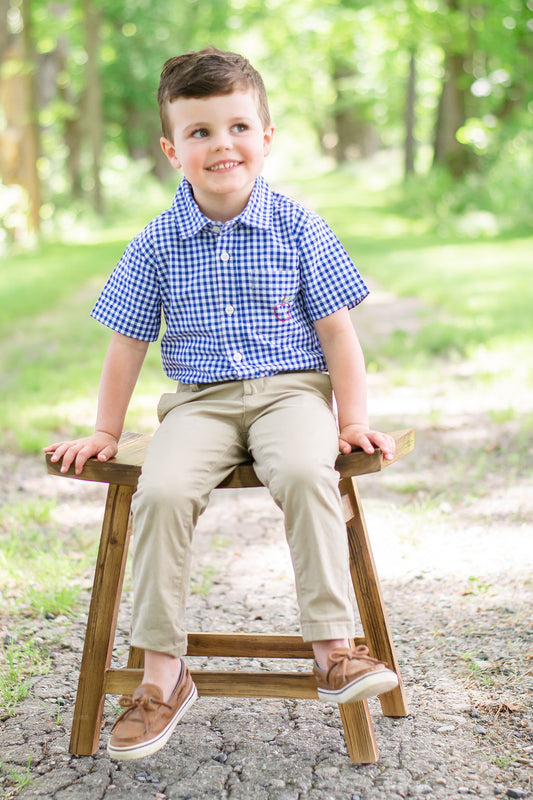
{"points": [[97, 678]]}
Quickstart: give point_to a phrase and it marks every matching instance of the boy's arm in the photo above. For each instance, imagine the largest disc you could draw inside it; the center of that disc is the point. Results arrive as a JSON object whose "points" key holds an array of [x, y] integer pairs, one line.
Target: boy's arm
{"points": [[122, 364], [347, 371]]}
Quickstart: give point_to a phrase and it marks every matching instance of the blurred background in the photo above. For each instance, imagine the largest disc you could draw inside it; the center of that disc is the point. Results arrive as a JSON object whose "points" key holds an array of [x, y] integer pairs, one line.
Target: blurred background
{"points": [[408, 124], [441, 90]]}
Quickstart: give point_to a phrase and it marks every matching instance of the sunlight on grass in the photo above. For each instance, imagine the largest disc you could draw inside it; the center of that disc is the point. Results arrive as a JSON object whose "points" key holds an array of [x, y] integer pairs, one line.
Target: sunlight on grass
{"points": [[481, 290], [33, 283], [48, 599], [476, 292], [50, 373]]}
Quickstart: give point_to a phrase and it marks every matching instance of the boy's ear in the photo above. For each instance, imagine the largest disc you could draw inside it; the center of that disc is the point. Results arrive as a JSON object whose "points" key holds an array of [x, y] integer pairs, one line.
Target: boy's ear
{"points": [[267, 139], [170, 151]]}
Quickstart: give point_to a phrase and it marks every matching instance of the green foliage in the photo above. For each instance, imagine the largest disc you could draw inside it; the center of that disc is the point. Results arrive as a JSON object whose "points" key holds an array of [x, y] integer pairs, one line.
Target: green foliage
{"points": [[322, 62], [476, 586], [489, 202], [139, 38], [48, 599]]}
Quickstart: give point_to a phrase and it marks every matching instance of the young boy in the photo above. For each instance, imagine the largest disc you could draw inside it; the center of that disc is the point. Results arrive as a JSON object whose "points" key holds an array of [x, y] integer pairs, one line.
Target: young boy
{"points": [[255, 290]]}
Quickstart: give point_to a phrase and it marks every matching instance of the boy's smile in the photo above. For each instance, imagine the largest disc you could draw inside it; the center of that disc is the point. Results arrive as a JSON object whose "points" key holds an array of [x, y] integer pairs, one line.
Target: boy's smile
{"points": [[220, 144]]}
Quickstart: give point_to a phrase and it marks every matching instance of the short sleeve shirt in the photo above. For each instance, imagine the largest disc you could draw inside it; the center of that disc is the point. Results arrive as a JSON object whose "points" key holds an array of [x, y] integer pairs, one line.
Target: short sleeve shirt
{"points": [[238, 299]]}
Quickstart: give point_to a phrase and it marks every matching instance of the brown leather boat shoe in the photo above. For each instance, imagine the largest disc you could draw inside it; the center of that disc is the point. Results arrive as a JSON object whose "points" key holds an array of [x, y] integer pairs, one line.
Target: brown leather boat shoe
{"points": [[147, 723], [353, 675]]}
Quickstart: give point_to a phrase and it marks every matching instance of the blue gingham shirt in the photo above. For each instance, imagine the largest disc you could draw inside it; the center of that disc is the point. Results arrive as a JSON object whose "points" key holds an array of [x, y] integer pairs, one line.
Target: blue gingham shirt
{"points": [[239, 299]]}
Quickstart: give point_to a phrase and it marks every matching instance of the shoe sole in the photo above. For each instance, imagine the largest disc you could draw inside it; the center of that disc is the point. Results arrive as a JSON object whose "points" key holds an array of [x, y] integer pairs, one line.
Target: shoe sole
{"points": [[370, 685], [149, 748]]}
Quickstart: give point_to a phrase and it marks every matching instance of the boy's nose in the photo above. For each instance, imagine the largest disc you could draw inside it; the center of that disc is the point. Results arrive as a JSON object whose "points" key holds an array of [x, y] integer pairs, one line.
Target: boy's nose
{"points": [[222, 142]]}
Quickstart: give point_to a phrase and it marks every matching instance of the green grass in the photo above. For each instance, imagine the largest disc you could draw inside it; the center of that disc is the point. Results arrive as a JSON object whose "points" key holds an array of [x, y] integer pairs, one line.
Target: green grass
{"points": [[202, 581], [50, 360], [481, 292], [31, 283], [18, 664], [19, 779], [39, 576]]}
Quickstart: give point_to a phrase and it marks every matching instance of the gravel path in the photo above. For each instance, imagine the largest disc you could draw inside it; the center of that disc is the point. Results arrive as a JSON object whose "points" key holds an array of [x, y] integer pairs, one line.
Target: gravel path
{"points": [[452, 530]]}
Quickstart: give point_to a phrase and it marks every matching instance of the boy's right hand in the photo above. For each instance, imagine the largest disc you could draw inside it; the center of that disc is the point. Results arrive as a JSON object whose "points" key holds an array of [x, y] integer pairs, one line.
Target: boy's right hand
{"points": [[100, 444]]}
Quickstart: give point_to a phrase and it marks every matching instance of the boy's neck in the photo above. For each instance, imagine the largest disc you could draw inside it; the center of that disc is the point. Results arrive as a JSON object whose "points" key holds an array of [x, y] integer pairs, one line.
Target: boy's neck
{"points": [[221, 211]]}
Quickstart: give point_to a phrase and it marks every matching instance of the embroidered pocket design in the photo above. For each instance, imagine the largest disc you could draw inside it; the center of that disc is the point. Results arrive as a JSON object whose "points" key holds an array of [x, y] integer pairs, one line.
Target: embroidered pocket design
{"points": [[282, 310]]}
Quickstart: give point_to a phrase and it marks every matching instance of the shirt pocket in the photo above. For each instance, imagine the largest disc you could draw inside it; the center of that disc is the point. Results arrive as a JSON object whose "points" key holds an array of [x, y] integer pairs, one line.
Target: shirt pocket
{"points": [[273, 290]]}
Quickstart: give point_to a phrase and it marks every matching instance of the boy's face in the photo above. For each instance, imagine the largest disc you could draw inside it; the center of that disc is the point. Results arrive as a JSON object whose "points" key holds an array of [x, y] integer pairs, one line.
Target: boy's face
{"points": [[220, 144]]}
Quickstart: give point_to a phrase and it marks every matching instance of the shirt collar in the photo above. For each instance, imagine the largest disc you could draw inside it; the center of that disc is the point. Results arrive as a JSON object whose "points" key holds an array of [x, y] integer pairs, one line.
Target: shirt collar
{"points": [[190, 220], [258, 212]]}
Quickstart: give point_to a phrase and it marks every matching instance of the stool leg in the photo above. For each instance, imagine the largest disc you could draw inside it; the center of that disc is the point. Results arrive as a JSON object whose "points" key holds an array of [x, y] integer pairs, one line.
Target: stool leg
{"points": [[101, 621], [369, 597], [136, 658], [359, 733]]}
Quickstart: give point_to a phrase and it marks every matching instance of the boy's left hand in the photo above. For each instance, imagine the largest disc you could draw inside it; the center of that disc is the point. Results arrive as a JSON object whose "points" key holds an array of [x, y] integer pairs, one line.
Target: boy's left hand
{"points": [[361, 436]]}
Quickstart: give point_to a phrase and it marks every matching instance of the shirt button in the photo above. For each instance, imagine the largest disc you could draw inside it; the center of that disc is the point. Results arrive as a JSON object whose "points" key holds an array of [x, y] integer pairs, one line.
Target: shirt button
{"points": [[229, 310], [224, 256], [237, 357]]}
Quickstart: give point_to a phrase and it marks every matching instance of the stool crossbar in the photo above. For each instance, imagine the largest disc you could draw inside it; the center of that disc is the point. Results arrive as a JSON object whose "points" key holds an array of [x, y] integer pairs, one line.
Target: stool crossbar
{"points": [[97, 678]]}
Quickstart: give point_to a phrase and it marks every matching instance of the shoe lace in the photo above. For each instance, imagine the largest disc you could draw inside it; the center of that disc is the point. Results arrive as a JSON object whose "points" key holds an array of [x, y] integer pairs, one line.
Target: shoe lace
{"points": [[142, 702], [343, 655]]}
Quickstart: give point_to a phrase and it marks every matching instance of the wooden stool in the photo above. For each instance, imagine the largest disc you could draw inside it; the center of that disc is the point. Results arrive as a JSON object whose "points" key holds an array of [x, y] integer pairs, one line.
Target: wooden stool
{"points": [[97, 678]]}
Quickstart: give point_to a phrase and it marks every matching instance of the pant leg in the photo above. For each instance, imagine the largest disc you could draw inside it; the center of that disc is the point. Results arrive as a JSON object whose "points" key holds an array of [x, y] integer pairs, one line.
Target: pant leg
{"points": [[294, 442], [197, 444]]}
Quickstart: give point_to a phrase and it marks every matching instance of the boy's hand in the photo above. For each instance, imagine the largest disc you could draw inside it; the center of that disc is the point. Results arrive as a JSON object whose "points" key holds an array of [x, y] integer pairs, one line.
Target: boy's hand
{"points": [[361, 436], [102, 445]]}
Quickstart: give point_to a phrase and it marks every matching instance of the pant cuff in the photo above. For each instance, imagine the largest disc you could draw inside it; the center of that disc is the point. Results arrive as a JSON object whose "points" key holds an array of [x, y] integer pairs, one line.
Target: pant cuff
{"points": [[319, 631], [176, 650]]}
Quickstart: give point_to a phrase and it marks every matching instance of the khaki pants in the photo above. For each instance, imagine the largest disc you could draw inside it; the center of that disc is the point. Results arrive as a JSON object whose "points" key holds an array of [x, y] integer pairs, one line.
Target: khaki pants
{"points": [[285, 421]]}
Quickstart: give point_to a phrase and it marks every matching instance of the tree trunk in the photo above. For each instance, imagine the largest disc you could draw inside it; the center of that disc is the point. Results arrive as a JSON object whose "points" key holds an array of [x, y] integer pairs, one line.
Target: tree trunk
{"points": [[33, 142], [20, 140], [161, 168], [4, 31], [92, 105], [410, 119], [356, 136], [451, 116], [72, 132]]}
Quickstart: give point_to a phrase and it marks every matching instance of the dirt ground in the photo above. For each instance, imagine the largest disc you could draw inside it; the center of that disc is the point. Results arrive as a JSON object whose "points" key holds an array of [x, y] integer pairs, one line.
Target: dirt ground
{"points": [[451, 526]]}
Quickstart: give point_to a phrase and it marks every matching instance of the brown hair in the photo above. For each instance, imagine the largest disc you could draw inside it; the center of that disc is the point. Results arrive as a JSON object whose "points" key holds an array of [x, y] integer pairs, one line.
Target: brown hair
{"points": [[206, 73]]}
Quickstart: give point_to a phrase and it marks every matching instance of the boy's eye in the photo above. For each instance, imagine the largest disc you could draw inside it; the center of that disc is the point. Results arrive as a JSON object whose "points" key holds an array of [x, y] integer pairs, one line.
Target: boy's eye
{"points": [[240, 127], [199, 133]]}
